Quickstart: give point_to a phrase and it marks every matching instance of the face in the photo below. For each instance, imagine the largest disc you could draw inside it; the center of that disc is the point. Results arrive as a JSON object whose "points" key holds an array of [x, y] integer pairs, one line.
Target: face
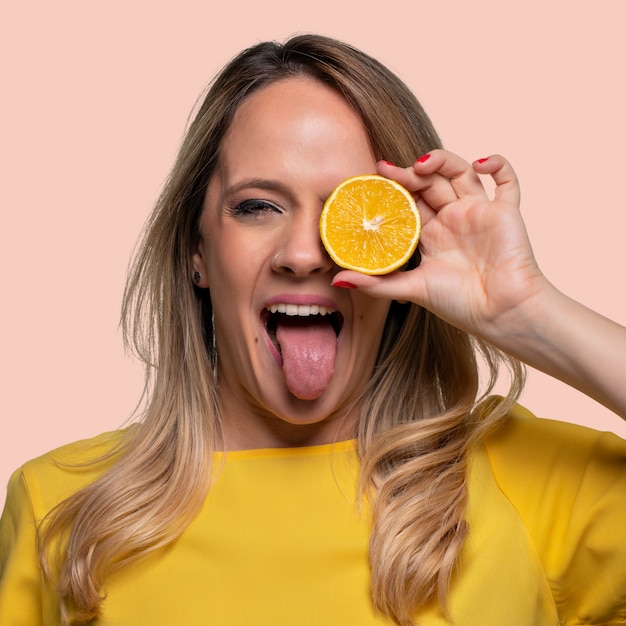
{"points": [[294, 353]]}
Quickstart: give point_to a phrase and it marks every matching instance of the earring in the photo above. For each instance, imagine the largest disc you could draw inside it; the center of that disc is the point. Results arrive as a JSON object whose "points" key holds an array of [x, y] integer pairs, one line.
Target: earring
{"points": [[196, 277]]}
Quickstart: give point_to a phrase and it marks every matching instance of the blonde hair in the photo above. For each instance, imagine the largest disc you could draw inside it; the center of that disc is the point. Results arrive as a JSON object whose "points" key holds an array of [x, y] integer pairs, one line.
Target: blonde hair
{"points": [[420, 411]]}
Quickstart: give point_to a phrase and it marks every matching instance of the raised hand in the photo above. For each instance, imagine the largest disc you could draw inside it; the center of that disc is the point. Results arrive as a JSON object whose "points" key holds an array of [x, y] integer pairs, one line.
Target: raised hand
{"points": [[477, 265], [478, 273]]}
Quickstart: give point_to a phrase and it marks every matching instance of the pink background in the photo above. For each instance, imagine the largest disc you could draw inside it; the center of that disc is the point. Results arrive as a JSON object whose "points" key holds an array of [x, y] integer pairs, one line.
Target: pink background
{"points": [[96, 98]]}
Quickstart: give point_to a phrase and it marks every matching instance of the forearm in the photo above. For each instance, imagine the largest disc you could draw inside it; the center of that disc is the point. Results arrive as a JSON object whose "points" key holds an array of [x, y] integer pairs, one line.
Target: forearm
{"points": [[568, 341]]}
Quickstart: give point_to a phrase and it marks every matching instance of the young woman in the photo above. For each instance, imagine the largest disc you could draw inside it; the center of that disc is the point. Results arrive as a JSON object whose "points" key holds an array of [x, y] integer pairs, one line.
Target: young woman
{"points": [[317, 447]]}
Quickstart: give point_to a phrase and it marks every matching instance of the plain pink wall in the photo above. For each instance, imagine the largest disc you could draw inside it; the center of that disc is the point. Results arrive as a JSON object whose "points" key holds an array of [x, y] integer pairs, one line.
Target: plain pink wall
{"points": [[95, 100]]}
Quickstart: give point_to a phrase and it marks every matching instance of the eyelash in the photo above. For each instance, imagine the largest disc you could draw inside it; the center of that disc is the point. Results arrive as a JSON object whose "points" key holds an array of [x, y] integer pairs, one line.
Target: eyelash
{"points": [[254, 206]]}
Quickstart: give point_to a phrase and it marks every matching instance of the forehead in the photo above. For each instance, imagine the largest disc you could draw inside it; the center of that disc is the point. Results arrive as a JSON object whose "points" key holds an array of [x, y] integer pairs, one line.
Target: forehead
{"points": [[294, 117]]}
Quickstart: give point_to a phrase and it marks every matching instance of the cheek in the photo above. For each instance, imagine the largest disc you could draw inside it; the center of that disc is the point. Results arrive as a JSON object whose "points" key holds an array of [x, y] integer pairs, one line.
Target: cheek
{"points": [[219, 247], [222, 269], [234, 262]]}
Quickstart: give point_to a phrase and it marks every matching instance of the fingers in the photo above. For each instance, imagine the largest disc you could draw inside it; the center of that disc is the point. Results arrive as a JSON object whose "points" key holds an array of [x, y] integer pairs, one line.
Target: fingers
{"points": [[507, 185], [460, 175], [431, 190], [440, 177]]}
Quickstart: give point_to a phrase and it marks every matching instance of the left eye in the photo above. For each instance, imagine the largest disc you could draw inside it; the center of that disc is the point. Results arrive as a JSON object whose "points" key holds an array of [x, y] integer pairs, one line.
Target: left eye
{"points": [[248, 207]]}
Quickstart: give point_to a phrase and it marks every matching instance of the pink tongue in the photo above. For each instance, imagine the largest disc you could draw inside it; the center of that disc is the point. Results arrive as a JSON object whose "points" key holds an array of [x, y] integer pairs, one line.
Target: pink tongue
{"points": [[308, 346]]}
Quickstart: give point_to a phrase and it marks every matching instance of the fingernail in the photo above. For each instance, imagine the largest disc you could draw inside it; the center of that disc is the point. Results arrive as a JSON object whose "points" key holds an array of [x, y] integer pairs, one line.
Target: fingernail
{"points": [[344, 284], [423, 158], [388, 163], [482, 160]]}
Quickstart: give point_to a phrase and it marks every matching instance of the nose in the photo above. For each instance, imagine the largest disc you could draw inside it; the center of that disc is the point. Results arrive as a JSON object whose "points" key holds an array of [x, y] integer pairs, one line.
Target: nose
{"points": [[300, 251]]}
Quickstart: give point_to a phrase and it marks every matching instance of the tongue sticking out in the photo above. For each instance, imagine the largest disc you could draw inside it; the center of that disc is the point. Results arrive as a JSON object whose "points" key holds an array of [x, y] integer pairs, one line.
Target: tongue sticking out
{"points": [[308, 346]]}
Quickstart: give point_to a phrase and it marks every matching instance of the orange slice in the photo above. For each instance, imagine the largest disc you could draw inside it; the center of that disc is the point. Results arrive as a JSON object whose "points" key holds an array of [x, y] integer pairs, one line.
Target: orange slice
{"points": [[370, 224]]}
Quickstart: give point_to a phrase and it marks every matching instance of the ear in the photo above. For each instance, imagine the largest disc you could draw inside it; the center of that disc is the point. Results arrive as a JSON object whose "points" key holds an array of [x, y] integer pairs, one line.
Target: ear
{"points": [[199, 267]]}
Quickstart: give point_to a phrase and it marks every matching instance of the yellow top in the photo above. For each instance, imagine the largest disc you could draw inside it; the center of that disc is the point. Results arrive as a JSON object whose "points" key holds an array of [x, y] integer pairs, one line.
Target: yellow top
{"points": [[280, 542]]}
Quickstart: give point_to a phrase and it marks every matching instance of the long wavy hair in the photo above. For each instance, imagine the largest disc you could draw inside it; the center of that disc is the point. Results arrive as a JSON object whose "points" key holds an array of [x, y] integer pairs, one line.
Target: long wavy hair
{"points": [[421, 413]]}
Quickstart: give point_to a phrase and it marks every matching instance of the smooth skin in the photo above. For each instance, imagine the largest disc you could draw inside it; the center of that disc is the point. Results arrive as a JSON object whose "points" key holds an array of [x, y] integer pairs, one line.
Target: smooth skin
{"points": [[478, 272]]}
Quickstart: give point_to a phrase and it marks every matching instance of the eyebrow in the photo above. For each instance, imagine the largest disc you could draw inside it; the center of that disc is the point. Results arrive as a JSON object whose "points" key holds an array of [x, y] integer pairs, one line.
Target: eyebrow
{"points": [[261, 183]]}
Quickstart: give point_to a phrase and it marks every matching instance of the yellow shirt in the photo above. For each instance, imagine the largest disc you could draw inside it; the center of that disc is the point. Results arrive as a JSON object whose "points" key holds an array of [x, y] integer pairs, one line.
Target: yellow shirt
{"points": [[279, 541]]}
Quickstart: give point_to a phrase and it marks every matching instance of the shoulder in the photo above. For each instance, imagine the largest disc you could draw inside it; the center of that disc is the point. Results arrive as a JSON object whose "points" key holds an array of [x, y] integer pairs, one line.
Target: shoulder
{"points": [[82, 451], [525, 446], [55, 475], [543, 465], [33, 491], [567, 485]]}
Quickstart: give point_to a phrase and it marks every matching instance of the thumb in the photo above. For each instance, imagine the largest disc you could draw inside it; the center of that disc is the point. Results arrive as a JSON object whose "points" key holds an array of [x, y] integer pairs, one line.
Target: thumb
{"points": [[401, 286]]}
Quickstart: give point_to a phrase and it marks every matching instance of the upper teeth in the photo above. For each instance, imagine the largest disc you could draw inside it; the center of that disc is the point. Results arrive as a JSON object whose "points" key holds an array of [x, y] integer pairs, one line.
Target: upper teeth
{"points": [[300, 309]]}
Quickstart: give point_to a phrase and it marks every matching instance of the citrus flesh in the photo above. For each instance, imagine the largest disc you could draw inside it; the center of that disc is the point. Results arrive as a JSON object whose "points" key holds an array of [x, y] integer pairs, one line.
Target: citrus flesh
{"points": [[370, 224]]}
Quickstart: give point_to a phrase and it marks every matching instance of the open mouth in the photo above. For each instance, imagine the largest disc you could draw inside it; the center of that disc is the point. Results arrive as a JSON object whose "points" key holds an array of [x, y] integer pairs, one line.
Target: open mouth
{"points": [[299, 315], [304, 338]]}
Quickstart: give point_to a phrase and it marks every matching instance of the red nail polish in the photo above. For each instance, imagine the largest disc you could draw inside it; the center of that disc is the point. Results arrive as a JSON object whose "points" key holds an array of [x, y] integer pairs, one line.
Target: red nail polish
{"points": [[344, 284], [423, 158], [389, 163], [482, 160]]}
